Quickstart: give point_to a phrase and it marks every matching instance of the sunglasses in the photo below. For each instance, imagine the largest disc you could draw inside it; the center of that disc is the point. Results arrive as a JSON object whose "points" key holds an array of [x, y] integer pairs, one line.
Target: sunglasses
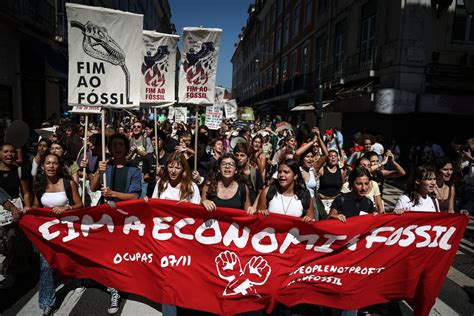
{"points": [[137, 126]]}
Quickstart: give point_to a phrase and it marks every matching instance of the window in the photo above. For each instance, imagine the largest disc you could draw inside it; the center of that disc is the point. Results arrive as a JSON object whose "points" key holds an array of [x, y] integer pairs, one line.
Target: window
{"points": [[463, 29], [308, 12], [322, 6], [284, 69], [293, 63], [320, 55], [367, 40], [278, 39], [286, 26], [305, 59], [296, 19], [339, 45], [280, 7], [277, 73], [270, 45]]}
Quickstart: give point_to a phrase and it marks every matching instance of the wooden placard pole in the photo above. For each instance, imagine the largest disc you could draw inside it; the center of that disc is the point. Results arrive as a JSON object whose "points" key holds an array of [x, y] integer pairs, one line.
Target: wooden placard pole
{"points": [[157, 148], [196, 132], [84, 170], [102, 127]]}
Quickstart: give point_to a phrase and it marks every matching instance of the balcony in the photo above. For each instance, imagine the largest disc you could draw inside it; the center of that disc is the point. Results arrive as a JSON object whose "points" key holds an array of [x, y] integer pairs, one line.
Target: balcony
{"points": [[361, 65], [357, 66], [445, 78]]}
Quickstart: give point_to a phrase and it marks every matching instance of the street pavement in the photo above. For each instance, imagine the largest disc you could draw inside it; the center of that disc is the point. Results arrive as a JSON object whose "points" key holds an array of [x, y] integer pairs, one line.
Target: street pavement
{"points": [[456, 296]]}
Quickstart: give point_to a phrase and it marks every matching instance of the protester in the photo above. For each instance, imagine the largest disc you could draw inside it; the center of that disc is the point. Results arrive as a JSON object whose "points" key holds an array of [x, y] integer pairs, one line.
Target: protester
{"points": [[123, 183], [53, 189], [41, 148], [250, 173], [151, 171], [15, 182], [420, 192], [176, 182], [289, 195], [59, 149], [331, 179], [373, 193], [224, 188], [258, 155], [377, 171], [444, 189]]}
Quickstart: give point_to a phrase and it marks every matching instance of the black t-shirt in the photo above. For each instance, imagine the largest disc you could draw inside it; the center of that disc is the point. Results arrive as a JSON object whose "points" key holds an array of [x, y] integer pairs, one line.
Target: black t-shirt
{"points": [[253, 191], [10, 181], [149, 166], [349, 206]]}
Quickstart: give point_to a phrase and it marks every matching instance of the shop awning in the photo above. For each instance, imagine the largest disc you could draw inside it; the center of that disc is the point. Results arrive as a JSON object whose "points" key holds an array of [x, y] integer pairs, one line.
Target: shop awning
{"points": [[303, 107]]}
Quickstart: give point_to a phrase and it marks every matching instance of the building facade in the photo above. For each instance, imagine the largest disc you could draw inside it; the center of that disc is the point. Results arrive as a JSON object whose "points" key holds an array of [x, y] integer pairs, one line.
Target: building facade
{"points": [[34, 57], [381, 65]]}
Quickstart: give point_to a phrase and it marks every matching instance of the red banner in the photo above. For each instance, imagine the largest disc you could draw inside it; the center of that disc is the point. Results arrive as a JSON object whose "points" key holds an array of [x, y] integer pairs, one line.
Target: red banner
{"points": [[226, 262]]}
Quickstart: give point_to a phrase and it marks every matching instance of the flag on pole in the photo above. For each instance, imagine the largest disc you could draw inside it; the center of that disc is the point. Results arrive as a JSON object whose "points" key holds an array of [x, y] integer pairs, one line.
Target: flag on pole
{"points": [[104, 62], [197, 77], [158, 67]]}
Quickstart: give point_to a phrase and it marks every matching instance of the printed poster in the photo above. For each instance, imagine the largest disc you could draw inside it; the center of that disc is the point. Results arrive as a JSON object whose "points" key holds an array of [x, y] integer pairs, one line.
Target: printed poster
{"points": [[197, 76], [104, 62], [158, 67]]}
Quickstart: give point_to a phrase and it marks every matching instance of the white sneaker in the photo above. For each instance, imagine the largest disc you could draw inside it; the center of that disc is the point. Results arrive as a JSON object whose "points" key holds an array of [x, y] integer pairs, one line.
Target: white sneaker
{"points": [[114, 302], [79, 290]]}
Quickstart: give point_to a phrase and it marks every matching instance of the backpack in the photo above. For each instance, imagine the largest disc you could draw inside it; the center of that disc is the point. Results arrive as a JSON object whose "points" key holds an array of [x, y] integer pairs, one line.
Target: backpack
{"points": [[306, 202], [67, 188]]}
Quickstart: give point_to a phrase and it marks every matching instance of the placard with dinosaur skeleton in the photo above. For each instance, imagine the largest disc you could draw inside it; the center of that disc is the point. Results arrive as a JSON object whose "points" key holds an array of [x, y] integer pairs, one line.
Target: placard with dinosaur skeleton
{"points": [[197, 77], [104, 56], [158, 67]]}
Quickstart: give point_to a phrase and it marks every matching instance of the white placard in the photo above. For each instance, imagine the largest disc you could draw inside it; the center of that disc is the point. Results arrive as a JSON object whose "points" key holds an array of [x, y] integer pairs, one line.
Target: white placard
{"points": [[181, 114], [219, 96], [86, 109], [158, 67], [170, 113], [104, 56], [213, 117], [230, 107], [197, 76]]}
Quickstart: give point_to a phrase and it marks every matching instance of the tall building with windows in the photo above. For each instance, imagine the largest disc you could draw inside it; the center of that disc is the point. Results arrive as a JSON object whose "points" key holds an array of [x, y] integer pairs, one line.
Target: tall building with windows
{"points": [[379, 65], [34, 58]]}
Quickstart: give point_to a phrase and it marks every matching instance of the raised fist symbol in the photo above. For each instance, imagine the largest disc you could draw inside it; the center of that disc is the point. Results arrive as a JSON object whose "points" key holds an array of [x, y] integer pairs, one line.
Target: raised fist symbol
{"points": [[228, 265], [241, 281]]}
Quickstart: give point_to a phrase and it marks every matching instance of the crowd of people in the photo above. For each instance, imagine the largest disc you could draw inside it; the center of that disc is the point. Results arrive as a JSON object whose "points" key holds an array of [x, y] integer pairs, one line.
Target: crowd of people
{"points": [[259, 168]]}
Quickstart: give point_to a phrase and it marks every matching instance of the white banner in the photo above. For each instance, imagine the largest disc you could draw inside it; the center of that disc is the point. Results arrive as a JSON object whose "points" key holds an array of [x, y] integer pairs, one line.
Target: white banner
{"points": [[158, 67], [230, 108], [213, 117], [181, 114], [197, 76], [219, 96], [104, 56]]}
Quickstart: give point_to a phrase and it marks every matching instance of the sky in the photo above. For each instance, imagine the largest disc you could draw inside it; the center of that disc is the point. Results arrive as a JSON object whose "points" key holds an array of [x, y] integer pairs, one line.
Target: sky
{"points": [[228, 15]]}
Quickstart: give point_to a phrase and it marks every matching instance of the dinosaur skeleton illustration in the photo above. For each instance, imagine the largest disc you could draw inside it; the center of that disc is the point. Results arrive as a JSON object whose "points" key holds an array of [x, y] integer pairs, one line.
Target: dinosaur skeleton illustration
{"points": [[99, 45]]}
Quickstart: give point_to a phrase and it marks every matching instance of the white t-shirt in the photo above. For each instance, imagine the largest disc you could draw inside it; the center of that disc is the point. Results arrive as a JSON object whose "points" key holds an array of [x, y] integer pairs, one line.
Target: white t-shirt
{"points": [[424, 204], [286, 205], [172, 193]]}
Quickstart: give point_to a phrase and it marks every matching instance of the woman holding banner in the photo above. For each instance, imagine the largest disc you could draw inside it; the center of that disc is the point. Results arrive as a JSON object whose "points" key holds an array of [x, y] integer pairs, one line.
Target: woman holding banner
{"points": [[176, 184], [53, 188], [224, 187], [288, 195]]}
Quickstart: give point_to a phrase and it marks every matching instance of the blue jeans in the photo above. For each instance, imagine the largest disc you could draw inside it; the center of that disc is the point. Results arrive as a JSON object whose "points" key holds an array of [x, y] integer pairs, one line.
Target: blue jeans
{"points": [[169, 310], [47, 289]]}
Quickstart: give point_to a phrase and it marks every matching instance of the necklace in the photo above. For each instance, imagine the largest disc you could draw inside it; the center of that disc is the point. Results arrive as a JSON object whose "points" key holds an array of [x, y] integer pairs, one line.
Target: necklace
{"points": [[285, 209]]}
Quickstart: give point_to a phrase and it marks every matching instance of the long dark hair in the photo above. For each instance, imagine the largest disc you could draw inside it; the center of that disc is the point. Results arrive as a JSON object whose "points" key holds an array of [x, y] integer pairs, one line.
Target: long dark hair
{"points": [[357, 172], [422, 172], [186, 182], [299, 186], [67, 159], [440, 164], [215, 175], [40, 182]]}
